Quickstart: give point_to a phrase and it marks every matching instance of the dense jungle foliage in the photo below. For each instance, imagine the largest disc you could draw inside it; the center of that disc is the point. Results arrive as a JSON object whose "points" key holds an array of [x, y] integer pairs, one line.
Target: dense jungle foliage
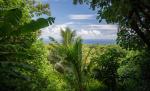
{"points": [[26, 64]]}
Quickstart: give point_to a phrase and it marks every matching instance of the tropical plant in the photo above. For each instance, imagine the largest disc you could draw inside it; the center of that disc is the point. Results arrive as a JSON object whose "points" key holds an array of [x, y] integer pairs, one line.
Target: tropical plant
{"points": [[69, 58]]}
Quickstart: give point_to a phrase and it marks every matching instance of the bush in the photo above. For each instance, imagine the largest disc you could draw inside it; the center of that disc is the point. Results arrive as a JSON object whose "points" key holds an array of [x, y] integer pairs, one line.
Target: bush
{"points": [[133, 71], [105, 64], [29, 71]]}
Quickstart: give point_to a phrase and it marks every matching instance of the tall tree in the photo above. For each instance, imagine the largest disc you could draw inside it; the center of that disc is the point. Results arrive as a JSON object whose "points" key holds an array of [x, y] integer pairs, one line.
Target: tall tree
{"points": [[133, 14], [69, 58]]}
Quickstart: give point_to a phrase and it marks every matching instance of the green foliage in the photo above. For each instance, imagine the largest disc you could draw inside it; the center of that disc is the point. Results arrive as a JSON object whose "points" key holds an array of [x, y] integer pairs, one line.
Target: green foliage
{"points": [[68, 36], [68, 59], [132, 14], [119, 69], [34, 25], [105, 64], [28, 68], [128, 39], [22, 58], [16, 16], [117, 11], [133, 71], [95, 85]]}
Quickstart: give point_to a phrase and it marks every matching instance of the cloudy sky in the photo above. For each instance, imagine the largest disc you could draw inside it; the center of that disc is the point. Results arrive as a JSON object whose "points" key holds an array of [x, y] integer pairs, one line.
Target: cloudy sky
{"points": [[78, 17]]}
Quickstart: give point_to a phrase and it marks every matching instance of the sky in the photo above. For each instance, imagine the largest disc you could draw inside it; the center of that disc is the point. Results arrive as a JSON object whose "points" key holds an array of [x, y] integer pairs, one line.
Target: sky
{"points": [[80, 18]]}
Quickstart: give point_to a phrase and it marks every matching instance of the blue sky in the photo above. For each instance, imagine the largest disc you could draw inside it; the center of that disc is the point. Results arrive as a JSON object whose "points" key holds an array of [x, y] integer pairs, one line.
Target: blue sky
{"points": [[78, 17]]}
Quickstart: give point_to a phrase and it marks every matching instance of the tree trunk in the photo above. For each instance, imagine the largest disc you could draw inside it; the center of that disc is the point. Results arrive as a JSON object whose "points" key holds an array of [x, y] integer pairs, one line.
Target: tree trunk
{"points": [[140, 33]]}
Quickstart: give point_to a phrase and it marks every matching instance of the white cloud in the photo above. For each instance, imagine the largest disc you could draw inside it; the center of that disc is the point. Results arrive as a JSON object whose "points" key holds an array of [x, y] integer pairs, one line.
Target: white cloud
{"points": [[84, 32], [68, 23], [54, 30], [95, 34], [101, 27], [81, 16], [105, 31], [92, 34]]}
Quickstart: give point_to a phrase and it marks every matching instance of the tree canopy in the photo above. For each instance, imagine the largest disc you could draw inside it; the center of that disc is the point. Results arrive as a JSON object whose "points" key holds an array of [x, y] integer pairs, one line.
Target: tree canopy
{"points": [[20, 52], [132, 14], [16, 16]]}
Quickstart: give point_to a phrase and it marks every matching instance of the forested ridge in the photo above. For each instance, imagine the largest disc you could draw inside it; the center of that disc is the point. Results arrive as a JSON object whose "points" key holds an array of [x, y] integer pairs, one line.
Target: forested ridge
{"points": [[27, 64]]}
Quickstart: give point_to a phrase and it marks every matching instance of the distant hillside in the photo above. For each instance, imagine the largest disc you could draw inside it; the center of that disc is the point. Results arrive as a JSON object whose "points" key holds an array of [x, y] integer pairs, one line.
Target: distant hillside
{"points": [[91, 41], [99, 41]]}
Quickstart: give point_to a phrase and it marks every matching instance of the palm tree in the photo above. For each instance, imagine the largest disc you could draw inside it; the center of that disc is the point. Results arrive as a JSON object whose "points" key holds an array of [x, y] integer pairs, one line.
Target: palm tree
{"points": [[68, 58], [68, 36]]}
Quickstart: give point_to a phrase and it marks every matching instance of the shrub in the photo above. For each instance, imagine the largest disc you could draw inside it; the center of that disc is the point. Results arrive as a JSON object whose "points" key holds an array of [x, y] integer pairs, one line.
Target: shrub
{"points": [[134, 71], [105, 65], [29, 71]]}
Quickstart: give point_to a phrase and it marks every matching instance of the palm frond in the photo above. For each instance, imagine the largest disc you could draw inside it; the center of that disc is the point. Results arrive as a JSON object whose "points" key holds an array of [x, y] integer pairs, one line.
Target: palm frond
{"points": [[67, 36], [36, 24]]}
